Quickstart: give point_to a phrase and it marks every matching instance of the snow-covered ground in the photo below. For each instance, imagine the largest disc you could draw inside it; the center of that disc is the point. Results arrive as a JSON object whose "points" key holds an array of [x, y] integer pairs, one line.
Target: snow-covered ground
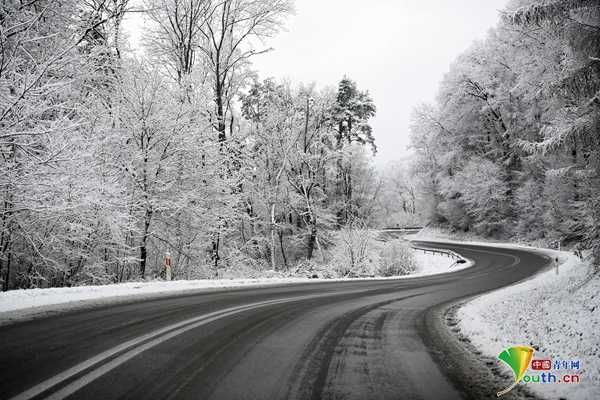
{"points": [[555, 312], [15, 304], [428, 264]]}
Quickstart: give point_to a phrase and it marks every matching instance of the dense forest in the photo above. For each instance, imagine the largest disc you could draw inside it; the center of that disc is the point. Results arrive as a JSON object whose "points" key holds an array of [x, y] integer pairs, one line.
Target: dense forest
{"points": [[111, 159], [511, 146]]}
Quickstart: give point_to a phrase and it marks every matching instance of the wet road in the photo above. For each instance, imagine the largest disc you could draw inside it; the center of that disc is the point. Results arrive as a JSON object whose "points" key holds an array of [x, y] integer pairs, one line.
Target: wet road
{"points": [[339, 340]]}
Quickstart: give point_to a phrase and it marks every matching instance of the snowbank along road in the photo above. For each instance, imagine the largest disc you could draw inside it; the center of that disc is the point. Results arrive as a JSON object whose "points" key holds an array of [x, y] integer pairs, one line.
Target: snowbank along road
{"points": [[350, 340]]}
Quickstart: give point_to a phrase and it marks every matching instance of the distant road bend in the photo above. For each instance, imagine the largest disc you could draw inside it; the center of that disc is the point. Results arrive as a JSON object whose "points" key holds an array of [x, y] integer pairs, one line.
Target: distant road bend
{"points": [[353, 340]]}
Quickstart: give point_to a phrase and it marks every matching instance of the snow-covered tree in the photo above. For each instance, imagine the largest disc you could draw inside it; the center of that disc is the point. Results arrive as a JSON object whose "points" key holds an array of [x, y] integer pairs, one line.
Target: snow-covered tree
{"points": [[522, 105], [350, 118], [44, 46]]}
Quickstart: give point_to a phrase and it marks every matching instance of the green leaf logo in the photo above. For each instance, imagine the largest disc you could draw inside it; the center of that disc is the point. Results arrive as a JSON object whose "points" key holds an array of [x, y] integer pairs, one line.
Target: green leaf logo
{"points": [[518, 359]]}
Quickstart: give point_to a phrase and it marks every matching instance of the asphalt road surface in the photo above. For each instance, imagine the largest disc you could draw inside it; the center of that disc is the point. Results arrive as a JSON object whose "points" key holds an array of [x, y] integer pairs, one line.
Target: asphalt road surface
{"points": [[350, 340]]}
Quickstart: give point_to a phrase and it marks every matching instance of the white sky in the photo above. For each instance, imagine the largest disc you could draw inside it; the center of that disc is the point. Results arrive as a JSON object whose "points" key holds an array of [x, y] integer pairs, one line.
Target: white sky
{"points": [[398, 50]]}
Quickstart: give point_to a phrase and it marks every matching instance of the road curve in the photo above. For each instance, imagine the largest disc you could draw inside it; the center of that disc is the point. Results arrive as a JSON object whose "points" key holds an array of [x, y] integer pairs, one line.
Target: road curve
{"points": [[340, 340]]}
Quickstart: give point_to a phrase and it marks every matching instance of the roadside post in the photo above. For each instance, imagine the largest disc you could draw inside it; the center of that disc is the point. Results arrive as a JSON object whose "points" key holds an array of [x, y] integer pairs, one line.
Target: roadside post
{"points": [[168, 263]]}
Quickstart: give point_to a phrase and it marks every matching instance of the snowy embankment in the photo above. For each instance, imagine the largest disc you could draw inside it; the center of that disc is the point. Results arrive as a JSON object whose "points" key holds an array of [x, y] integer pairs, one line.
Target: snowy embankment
{"points": [[17, 304], [556, 312], [429, 264]]}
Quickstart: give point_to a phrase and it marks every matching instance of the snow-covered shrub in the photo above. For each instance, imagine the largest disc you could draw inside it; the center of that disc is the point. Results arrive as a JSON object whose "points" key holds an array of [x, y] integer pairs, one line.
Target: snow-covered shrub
{"points": [[202, 270], [93, 274], [396, 258], [355, 253], [312, 269], [238, 264]]}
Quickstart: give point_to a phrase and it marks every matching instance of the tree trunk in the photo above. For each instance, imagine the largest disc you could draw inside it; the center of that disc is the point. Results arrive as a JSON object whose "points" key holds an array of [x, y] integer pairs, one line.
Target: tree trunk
{"points": [[143, 256], [6, 283], [339, 190], [306, 125], [311, 241], [220, 103], [280, 234], [273, 236], [349, 211], [215, 255], [143, 245], [6, 239]]}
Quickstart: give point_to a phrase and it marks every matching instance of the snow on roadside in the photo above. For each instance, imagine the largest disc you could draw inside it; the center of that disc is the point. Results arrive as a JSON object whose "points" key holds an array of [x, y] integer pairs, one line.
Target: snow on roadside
{"points": [[428, 264], [17, 303], [556, 313], [27, 298]]}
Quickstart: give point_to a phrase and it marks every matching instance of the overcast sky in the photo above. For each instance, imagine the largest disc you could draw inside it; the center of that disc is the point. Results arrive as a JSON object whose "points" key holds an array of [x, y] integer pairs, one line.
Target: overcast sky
{"points": [[399, 50]]}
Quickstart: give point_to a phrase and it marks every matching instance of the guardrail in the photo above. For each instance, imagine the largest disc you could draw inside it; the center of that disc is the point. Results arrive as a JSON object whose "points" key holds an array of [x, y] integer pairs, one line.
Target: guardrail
{"points": [[458, 259], [449, 253]]}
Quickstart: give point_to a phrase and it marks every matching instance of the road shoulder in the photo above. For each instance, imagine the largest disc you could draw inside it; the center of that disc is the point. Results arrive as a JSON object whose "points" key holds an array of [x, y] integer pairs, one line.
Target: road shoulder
{"points": [[478, 376], [553, 311]]}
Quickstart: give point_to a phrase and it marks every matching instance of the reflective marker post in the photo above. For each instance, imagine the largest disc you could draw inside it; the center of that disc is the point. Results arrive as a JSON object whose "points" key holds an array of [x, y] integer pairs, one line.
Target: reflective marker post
{"points": [[168, 264]]}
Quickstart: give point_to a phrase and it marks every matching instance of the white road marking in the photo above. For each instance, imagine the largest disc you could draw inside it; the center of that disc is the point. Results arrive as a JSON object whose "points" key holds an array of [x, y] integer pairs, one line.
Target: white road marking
{"points": [[135, 346]]}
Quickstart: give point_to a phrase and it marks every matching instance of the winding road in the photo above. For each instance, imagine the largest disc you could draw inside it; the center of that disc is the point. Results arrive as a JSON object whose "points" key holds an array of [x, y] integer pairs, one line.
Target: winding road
{"points": [[363, 339]]}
